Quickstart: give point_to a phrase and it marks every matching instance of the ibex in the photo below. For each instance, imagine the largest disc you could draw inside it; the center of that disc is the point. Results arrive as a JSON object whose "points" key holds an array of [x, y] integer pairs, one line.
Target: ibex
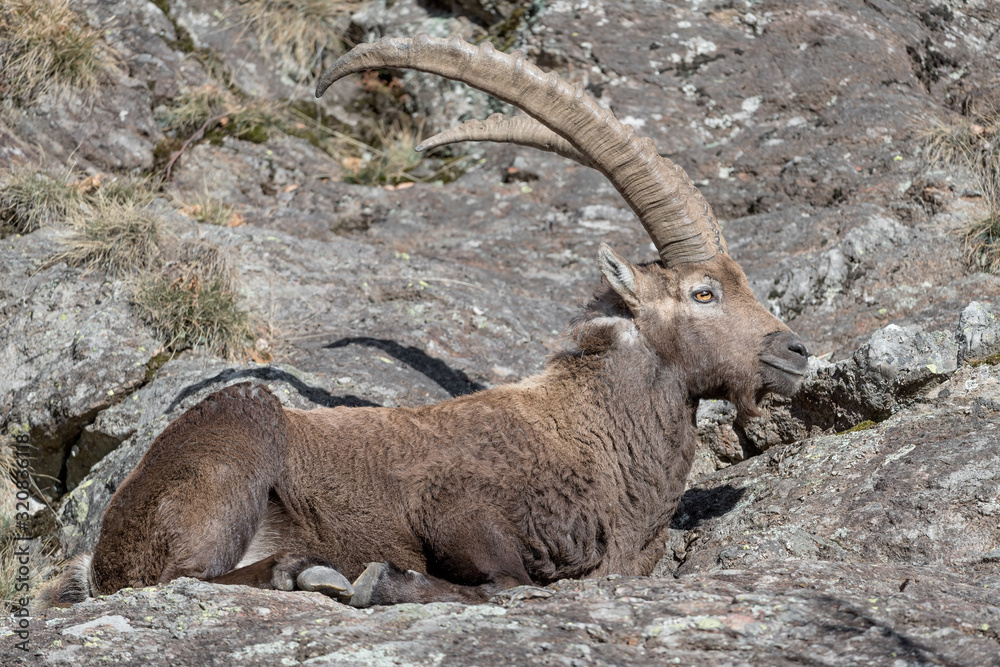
{"points": [[574, 472]]}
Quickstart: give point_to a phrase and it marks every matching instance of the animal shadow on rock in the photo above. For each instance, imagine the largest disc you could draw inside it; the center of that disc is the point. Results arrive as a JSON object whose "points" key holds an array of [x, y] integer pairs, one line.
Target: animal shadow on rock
{"points": [[699, 505], [316, 395], [455, 382]]}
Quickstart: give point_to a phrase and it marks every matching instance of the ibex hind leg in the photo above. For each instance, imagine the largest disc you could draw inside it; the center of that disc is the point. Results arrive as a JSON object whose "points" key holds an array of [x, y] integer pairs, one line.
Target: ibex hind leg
{"points": [[285, 571], [195, 501]]}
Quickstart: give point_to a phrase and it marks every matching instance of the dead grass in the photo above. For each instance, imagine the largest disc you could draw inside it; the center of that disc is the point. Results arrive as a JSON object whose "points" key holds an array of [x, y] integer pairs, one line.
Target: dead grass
{"points": [[296, 33], [376, 154], [974, 143], [128, 190], [31, 198], [187, 290], [8, 575], [194, 107], [982, 244], [7, 488], [45, 45], [389, 160], [212, 211], [120, 238], [40, 571], [194, 302], [218, 112]]}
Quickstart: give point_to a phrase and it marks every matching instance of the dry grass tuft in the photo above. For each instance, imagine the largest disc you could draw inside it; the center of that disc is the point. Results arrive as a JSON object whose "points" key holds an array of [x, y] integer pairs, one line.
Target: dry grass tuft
{"points": [[7, 488], [211, 211], [30, 198], [982, 244], [194, 301], [297, 32], [188, 290], [128, 190], [194, 107], [376, 154], [120, 238], [8, 565], [389, 160], [216, 111], [974, 143], [8, 575], [45, 45]]}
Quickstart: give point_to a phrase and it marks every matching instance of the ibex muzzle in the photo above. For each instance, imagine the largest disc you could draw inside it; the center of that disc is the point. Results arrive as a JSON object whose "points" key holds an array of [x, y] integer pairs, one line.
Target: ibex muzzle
{"points": [[572, 473]]}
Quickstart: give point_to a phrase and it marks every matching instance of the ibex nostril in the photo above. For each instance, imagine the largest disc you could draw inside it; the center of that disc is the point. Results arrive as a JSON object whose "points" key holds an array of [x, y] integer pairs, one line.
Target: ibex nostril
{"points": [[798, 348]]}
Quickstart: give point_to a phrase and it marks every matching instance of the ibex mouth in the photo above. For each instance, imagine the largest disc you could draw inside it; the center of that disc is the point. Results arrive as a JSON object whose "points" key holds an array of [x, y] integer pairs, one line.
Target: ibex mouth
{"points": [[784, 352], [786, 367]]}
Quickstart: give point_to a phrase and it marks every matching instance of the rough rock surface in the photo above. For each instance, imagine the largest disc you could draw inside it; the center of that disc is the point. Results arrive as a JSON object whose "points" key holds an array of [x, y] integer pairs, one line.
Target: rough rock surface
{"points": [[978, 335], [890, 371], [800, 122], [791, 612], [799, 119]]}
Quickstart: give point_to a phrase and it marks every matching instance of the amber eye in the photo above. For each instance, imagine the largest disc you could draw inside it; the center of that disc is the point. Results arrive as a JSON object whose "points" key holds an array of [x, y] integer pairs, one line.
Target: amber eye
{"points": [[704, 296]]}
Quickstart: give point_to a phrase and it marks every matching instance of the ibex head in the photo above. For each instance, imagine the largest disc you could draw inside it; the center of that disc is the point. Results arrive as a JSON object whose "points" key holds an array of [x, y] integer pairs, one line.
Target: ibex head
{"points": [[701, 319], [696, 310]]}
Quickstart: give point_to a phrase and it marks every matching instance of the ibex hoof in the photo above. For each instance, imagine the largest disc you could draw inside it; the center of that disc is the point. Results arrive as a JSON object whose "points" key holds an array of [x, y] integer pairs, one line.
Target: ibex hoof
{"points": [[282, 580], [325, 580], [364, 586]]}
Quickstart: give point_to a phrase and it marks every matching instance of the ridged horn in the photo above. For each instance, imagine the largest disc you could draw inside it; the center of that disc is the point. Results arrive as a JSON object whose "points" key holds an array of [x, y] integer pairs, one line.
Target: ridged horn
{"points": [[521, 130], [678, 219]]}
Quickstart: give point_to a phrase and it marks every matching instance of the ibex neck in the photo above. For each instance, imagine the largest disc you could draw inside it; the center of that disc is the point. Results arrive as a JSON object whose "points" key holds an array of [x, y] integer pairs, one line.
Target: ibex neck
{"points": [[625, 400], [633, 418]]}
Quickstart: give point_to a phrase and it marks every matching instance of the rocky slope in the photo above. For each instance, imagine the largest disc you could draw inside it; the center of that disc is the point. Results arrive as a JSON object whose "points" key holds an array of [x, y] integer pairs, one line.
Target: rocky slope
{"points": [[801, 123]]}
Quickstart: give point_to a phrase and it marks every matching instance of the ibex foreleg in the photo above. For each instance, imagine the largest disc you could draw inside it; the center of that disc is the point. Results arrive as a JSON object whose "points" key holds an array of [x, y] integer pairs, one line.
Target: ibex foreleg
{"points": [[285, 571]]}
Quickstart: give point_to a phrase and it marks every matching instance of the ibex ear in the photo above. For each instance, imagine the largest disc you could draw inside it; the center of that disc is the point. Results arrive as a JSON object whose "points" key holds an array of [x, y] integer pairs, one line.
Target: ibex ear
{"points": [[621, 275]]}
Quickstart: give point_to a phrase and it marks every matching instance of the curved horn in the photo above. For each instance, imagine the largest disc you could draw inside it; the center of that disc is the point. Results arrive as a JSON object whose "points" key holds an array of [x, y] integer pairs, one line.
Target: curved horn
{"points": [[521, 130], [678, 219]]}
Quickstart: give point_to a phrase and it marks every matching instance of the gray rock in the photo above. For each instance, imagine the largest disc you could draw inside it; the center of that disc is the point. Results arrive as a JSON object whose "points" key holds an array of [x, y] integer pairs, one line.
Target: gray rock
{"points": [[897, 362], [148, 42], [718, 444], [487, 11], [787, 613], [882, 376], [224, 28], [978, 335], [817, 281], [436, 101], [112, 129]]}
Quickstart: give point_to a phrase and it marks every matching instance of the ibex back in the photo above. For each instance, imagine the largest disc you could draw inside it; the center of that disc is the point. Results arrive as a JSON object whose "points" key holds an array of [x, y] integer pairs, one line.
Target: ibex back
{"points": [[572, 473]]}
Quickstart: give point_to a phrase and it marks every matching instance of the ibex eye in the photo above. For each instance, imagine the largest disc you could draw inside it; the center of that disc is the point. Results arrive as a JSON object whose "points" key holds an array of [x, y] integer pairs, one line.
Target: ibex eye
{"points": [[704, 296]]}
